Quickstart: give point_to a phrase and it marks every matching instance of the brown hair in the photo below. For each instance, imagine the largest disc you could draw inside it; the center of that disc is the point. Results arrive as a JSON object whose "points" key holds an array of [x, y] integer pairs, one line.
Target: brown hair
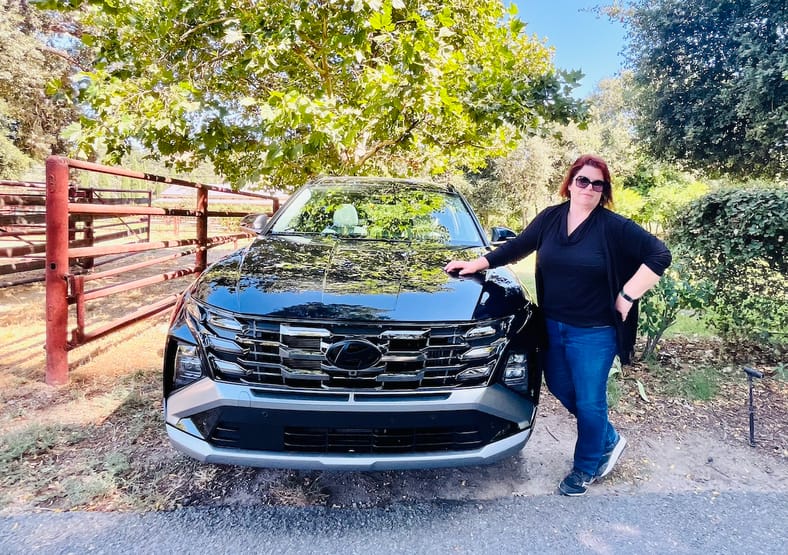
{"points": [[594, 162]]}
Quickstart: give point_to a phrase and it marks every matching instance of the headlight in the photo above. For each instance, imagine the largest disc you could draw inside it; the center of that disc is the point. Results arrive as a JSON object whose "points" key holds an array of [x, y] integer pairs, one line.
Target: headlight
{"points": [[480, 331], [490, 329], [224, 322], [229, 368], [188, 367], [203, 316], [193, 309]]}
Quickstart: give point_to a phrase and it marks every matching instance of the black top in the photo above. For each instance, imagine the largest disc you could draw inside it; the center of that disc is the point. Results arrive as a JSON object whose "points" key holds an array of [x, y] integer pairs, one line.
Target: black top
{"points": [[597, 259], [577, 291]]}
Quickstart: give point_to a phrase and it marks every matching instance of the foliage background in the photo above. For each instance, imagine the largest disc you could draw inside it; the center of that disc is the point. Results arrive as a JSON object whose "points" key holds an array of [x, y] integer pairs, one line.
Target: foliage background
{"points": [[271, 94], [278, 92], [712, 83]]}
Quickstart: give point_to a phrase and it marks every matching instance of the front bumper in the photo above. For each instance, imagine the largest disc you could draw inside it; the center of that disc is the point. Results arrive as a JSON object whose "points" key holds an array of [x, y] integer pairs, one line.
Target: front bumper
{"points": [[261, 417]]}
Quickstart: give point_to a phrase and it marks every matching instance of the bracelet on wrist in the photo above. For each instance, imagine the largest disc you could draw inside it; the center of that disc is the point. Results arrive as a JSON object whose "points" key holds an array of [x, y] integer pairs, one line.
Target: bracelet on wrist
{"points": [[626, 297]]}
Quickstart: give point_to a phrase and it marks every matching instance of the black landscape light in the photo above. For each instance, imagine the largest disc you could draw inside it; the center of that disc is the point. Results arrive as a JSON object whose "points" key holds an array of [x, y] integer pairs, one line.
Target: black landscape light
{"points": [[752, 373]]}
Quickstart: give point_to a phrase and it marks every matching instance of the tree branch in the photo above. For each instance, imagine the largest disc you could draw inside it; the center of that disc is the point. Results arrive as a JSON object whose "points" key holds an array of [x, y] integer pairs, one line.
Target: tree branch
{"points": [[185, 35], [300, 53], [324, 71], [384, 144], [61, 54]]}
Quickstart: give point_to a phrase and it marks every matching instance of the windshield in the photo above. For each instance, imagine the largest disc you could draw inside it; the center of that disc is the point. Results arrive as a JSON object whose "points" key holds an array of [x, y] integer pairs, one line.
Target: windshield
{"points": [[390, 211]]}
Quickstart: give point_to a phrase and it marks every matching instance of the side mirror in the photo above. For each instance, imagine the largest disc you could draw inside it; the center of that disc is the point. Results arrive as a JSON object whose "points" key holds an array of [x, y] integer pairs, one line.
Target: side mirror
{"points": [[254, 222], [501, 234]]}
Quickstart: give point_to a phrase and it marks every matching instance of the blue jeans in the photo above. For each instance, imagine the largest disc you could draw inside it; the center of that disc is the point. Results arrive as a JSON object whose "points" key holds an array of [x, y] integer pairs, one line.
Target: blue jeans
{"points": [[577, 363]]}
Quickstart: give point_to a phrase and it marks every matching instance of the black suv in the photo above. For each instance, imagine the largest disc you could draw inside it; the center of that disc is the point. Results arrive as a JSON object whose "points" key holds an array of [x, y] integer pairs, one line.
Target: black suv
{"points": [[336, 340]]}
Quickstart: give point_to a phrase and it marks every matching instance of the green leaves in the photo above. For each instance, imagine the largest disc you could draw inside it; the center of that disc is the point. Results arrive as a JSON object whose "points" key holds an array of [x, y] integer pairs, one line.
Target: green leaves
{"points": [[381, 21], [729, 263], [35, 95], [733, 243], [736, 226], [713, 90], [281, 91]]}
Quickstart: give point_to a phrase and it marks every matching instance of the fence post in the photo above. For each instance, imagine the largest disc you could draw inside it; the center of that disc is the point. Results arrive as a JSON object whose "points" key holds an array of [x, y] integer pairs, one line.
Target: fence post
{"points": [[88, 231], [150, 203], [201, 258], [56, 270]]}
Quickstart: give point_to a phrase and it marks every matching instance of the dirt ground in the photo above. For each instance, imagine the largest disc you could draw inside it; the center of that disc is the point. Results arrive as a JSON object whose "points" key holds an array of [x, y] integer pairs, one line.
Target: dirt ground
{"points": [[99, 442]]}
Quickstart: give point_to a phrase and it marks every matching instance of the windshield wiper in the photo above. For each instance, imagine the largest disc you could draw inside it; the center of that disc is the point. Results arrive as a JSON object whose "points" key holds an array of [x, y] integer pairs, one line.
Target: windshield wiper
{"points": [[292, 232]]}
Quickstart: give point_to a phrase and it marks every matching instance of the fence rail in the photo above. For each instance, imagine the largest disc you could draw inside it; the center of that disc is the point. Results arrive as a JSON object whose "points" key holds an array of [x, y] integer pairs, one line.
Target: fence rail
{"points": [[23, 226], [66, 293]]}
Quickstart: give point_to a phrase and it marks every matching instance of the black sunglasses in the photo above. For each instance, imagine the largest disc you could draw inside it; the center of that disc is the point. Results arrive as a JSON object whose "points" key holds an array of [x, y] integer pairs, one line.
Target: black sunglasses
{"points": [[583, 182]]}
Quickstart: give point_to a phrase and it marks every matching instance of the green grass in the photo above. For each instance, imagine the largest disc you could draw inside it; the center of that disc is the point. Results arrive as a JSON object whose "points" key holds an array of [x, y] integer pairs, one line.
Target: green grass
{"points": [[525, 271], [614, 392], [35, 440], [689, 325]]}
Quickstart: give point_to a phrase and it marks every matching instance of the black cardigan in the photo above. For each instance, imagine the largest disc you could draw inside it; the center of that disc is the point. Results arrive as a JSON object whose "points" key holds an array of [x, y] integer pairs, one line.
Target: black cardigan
{"points": [[627, 246]]}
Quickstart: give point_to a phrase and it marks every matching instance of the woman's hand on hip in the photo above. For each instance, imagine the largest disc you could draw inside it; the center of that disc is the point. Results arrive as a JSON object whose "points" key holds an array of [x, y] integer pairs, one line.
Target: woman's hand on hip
{"points": [[623, 307]]}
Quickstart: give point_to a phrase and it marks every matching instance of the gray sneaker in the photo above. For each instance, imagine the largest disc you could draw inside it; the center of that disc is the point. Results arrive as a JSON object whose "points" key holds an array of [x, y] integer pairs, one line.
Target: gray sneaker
{"points": [[610, 458], [576, 483]]}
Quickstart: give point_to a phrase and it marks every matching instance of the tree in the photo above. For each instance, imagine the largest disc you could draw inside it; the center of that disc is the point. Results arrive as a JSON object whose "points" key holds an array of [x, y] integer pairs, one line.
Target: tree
{"points": [[529, 175], [713, 82], [34, 53], [660, 192], [279, 91], [527, 179], [13, 161], [613, 123]]}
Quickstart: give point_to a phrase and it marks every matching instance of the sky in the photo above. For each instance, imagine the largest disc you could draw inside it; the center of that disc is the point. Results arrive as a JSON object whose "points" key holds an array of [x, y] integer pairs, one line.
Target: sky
{"points": [[582, 39]]}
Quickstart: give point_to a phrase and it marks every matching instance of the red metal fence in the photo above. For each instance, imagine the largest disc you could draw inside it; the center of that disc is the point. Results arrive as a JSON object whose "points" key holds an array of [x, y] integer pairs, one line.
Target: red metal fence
{"points": [[65, 288], [23, 227]]}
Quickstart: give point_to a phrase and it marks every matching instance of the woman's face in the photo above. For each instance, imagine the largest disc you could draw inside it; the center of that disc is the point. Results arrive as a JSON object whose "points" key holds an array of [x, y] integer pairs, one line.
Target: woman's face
{"points": [[586, 198]]}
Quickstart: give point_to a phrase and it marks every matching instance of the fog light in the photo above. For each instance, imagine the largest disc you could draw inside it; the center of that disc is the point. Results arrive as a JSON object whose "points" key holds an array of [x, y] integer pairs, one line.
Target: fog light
{"points": [[188, 367], [516, 369]]}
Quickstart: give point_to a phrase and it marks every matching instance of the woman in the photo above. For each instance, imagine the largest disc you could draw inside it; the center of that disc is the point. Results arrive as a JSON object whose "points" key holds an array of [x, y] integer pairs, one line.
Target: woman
{"points": [[591, 267]]}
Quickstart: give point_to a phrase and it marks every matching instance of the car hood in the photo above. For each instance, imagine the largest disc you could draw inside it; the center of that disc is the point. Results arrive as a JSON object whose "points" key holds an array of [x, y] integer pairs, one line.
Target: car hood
{"points": [[343, 279]]}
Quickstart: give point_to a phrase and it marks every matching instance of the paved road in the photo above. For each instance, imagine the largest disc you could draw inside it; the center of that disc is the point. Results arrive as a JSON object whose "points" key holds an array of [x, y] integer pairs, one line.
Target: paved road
{"points": [[749, 523]]}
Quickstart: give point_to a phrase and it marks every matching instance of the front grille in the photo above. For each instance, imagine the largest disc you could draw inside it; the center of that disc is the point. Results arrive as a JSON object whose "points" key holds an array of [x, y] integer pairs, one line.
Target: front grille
{"points": [[382, 440], [417, 356]]}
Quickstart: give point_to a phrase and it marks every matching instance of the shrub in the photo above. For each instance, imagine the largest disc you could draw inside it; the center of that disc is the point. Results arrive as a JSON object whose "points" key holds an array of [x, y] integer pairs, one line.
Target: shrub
{"points": [[731, 244], [661, 305]]}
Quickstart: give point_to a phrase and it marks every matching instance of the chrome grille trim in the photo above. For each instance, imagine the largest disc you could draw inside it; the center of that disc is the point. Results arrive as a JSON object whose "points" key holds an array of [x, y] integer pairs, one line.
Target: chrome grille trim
{"points": [[413, 356], [300, 331]]}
